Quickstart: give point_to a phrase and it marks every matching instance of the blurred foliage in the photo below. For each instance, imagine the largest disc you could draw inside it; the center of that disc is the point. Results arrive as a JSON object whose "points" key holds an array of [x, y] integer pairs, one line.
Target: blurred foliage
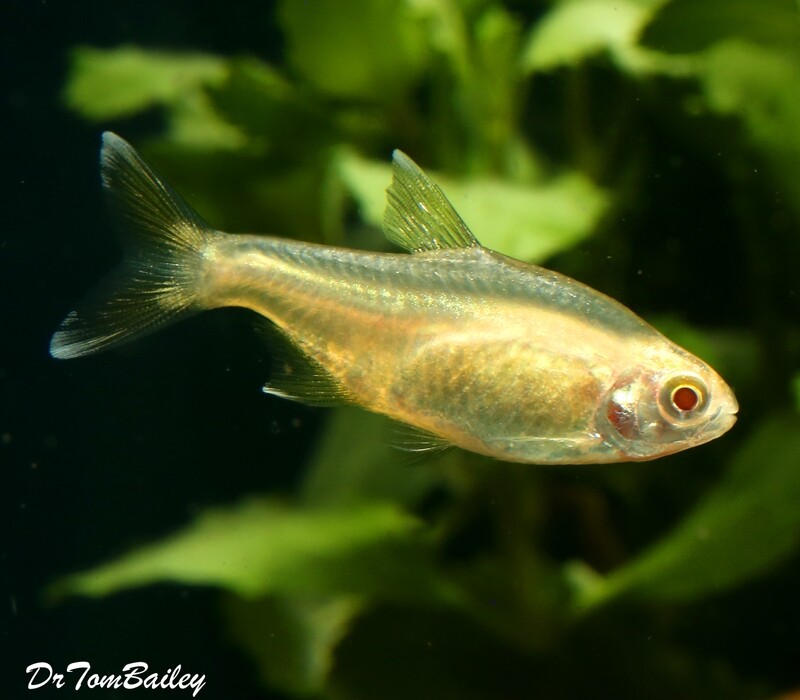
{"points": [[745, 525], [311, 550], [662, 135]]}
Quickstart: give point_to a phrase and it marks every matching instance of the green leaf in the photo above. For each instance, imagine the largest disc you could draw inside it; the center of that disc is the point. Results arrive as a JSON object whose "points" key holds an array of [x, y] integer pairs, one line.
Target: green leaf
{"points": [[445, 31], [364, 49], [264, 546], [292, 638], [528, 222], [759, 85], [742, 529], [762, 88], [490, 97], [113, 83], [686, 26], [577, 29], [796, 390], [255, 95], [272, 111], [367, 181], [196, 124]]}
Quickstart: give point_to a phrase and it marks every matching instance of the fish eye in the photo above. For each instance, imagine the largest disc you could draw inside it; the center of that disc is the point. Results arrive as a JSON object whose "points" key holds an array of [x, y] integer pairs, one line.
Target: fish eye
{"points": [[683, 397]]}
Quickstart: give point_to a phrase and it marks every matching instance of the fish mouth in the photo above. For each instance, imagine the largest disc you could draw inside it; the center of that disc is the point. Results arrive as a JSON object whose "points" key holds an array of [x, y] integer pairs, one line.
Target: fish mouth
{"points": [[728, 413], [727, 420], [733, 406], [721, 422]]}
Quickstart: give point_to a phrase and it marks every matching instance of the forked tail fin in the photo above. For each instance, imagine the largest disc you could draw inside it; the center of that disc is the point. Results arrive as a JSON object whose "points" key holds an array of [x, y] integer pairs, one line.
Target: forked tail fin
{"points": [[158, 280]]}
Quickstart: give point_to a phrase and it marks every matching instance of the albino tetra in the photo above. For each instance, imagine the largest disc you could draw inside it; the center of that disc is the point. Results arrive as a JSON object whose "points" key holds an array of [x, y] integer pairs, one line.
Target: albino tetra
{"points": [[472, 347]]}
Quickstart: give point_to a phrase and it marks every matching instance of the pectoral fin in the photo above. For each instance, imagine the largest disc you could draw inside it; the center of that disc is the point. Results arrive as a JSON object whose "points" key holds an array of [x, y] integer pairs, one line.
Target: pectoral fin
{"points": [[415, 440]]}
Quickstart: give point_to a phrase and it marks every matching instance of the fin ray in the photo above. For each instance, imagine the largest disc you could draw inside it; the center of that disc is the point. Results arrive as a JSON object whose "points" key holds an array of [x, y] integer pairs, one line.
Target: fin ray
{"points": [[297, 376], [157, 280], [418, 216], [409, 438]]}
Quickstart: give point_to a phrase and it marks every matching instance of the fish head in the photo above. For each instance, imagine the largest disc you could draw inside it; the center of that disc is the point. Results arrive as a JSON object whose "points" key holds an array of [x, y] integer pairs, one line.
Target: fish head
{"points": [[668, 401]]}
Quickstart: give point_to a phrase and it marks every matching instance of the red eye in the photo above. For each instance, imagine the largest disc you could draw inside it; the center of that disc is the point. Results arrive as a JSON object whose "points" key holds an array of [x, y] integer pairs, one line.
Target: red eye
{"points": [[684, 398]]}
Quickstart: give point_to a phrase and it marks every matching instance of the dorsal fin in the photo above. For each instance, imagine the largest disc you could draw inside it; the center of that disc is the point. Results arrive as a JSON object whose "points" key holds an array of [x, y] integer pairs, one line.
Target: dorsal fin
{"points": [[418, 216], [295, 375]]}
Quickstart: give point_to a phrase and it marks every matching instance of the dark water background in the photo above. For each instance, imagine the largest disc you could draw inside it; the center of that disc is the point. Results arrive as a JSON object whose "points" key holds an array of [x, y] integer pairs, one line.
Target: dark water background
{"points": [[99, 456]]}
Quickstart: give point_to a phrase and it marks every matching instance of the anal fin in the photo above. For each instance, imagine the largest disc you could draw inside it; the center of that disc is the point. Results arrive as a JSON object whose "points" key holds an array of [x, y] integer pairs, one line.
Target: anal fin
{"points": [[297, 376]]}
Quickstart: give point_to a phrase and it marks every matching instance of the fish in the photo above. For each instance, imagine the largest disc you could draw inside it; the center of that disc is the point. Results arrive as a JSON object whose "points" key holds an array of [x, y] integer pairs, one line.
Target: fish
{"points": [[466, 346]]}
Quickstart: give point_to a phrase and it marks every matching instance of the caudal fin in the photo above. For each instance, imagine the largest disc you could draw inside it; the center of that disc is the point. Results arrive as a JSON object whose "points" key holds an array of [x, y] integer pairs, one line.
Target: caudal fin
{"points": [[157, 282]]}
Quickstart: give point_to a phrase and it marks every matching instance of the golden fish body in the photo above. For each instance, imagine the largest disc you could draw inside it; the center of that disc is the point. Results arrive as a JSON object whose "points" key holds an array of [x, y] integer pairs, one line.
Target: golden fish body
{"points": [[472, 347]]}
